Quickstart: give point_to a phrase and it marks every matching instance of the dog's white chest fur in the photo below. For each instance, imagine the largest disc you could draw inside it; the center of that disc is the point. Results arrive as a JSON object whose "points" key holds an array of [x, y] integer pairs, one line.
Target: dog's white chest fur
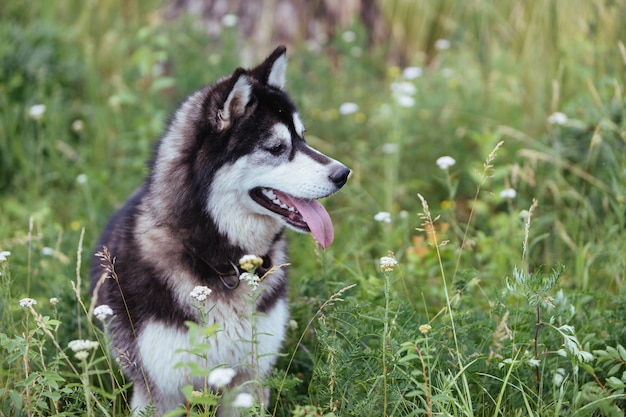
{"points": [[244, 345]]}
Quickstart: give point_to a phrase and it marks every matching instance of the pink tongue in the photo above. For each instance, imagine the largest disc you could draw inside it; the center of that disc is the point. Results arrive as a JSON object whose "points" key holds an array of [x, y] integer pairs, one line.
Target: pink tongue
{"points": [[315, 216]]}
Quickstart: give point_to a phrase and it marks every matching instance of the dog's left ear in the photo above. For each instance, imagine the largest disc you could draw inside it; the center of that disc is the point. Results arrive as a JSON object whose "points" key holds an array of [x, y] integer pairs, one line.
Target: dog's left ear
{"points": [[238, 99], [272, 70]]}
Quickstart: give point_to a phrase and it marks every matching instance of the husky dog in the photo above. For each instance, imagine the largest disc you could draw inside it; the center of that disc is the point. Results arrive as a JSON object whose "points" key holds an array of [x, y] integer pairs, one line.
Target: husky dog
{"points": [[232, 171]]}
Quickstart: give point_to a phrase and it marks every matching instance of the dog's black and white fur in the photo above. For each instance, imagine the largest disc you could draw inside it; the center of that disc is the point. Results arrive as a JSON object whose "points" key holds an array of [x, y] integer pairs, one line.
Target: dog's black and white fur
{"points": [[230, 173]]}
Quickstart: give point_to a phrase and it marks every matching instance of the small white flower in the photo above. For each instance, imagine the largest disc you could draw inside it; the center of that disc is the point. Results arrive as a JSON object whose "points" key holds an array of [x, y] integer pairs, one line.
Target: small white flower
{"points": [[387, 263], [348, 108], [78, 125], [403, 88], [293, 325], [445, 162], [411, 73], [221, 377], [200, 293], [81, 355], [27, 302], [403, 92], [82, 179], [102, 312], [508, 193], [4, 255], [249, 262], [36, 112], [442, 44], [524, 214], [243, 400], [229, 20], [405, 101], [425, 328], [54, 301], [46, 251], [252, 280], [557, 118], [81, 344], [383, 217], [348, 36], [249, 258]]}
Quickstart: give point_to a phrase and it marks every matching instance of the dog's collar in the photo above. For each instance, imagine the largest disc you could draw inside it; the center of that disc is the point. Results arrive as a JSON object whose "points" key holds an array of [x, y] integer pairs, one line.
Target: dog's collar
{"points": [[229, 273]]}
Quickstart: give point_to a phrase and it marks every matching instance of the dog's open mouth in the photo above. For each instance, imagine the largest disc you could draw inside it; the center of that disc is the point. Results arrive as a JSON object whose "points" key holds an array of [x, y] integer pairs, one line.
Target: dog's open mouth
{"points": [[306, 215]]}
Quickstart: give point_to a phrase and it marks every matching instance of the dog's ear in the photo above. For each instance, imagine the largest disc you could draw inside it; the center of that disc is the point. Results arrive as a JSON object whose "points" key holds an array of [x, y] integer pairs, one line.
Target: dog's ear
{"points": [[238, 98], [272, 70]]}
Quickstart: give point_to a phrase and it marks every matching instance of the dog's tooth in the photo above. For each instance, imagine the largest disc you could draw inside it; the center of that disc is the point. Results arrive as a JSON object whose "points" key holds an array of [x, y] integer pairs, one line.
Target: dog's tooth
{"points": [[292, 209], [285, 206]]}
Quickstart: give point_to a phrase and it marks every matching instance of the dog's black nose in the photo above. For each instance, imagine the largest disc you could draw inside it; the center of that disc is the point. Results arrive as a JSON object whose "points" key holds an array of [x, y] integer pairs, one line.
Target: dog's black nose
{"points": [[339, 176]]}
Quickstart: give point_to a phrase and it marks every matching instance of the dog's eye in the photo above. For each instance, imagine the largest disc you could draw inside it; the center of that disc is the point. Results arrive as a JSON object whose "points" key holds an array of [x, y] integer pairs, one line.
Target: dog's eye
{"points": [[276, 149]]}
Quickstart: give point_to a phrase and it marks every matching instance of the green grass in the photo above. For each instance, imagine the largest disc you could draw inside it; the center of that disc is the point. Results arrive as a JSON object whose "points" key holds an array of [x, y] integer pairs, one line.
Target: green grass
{"points": [[497, 307]]}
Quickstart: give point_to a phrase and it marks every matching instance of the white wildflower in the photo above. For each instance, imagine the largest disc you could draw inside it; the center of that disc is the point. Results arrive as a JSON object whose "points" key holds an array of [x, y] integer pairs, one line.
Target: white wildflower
{"points": [[102, 312], [4, 255], [82, 345], [229, 20], [81, 355], [78, 125], [410, 73], [36, 112], [387, 264], [405, 101], [403, 92], [348, 36], [508, 193], [221, 377], [81, 179], [425, 328], [54, 301], [442, 44], [348, 108], [403, 88], [249, 262], [445, 162], [557, 118], [200, 293], [383, 217], [252, 280], [27, 302], [47, 251], [243, 400]]}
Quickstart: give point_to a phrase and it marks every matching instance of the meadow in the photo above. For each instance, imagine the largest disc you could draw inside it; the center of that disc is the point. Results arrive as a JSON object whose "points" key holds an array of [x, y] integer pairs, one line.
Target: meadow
{"points": [[479, 261]]}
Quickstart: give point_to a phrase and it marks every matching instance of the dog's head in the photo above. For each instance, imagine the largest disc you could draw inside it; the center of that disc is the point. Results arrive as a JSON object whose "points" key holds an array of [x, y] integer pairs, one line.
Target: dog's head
{"points": [[246, 143]]}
